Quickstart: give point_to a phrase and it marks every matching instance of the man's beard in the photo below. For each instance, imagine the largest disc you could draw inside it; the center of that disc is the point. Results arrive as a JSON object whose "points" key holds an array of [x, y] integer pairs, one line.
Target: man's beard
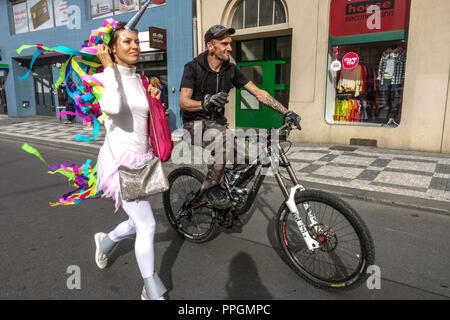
{"points": [[224, 57]]}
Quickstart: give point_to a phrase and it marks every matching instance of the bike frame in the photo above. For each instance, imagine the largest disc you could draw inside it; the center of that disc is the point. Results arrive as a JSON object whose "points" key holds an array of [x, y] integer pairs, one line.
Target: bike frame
{"points": [[276, 154]]}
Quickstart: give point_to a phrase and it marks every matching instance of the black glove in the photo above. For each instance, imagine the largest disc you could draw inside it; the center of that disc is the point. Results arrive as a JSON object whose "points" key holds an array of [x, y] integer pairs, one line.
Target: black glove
{"points": [[210, 102], [292, 118]]}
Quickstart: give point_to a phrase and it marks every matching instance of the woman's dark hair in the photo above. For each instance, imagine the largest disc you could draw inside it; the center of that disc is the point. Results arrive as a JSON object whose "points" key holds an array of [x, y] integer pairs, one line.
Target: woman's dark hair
{"points": [[114, 35]]}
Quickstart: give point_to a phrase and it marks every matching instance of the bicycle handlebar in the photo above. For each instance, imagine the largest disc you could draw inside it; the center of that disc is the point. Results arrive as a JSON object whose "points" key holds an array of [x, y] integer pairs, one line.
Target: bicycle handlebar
{"points": [[288, 126]]}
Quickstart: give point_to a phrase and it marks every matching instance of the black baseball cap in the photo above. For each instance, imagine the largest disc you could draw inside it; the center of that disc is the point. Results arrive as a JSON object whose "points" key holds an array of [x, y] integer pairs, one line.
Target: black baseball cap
{"points": [[216, 32]]}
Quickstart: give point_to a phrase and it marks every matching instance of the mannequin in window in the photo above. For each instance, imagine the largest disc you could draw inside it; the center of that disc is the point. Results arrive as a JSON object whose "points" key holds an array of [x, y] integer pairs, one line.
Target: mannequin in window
{"points": [[391, 73]]}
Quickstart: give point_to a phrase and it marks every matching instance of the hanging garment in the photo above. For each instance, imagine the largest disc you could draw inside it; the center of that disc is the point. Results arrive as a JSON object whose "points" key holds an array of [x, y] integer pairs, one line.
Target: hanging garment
{"points": [[350, 80], [357, 113], [392, 66], [337, 110], [363, 110]]}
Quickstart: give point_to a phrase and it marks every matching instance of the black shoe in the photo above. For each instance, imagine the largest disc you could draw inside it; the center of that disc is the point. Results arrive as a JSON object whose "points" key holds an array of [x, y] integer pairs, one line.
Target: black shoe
{"points": [[217, 198], [236, 224]]}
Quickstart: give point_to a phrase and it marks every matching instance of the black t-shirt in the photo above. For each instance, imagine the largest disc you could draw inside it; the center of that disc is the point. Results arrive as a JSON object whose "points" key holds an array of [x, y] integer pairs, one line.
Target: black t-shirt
{"points": [[199, 77]]}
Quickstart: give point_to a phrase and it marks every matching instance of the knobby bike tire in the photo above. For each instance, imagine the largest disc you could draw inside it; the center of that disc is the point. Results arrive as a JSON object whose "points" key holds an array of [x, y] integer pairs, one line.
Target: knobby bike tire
{"points": [[364, 260], [168, 201]]}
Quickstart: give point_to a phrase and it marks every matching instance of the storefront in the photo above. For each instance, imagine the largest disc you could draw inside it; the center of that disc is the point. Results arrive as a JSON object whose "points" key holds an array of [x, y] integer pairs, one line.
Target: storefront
{"points": [[153, 58], [69, 23], [364, 72], [44, 73], [366, 62]]}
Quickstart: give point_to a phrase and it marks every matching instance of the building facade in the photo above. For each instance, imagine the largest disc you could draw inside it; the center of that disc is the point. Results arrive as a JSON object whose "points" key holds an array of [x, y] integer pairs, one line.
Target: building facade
{"points": [[370, 72], [69, 23]]}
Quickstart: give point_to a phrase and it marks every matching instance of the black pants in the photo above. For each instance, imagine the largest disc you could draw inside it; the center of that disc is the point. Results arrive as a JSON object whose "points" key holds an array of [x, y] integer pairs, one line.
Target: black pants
{"points": [[392, 92], [71, 108]]}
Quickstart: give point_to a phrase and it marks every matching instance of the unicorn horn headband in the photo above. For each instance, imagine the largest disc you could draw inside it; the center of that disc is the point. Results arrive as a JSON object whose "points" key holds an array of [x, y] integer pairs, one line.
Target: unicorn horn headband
{"points": [[134, 21]]}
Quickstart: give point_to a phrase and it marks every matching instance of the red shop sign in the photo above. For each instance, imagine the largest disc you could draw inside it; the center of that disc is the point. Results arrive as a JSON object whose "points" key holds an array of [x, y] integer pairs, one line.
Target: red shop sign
{"points": [[350, 60], [351, 17]]}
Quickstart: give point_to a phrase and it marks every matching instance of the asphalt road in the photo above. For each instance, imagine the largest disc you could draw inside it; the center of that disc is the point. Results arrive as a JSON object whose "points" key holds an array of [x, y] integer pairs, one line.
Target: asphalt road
{"points": [[41, 246]]}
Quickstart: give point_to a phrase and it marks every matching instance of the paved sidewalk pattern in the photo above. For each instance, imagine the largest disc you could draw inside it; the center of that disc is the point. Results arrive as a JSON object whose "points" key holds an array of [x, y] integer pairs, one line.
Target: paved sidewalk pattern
{"points": [[391, 172], [52, 132]]}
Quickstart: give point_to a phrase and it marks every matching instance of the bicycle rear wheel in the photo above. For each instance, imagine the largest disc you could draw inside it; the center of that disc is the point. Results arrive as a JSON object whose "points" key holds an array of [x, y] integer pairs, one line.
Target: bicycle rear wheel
{"points": [[193, 219], [346, 247]]}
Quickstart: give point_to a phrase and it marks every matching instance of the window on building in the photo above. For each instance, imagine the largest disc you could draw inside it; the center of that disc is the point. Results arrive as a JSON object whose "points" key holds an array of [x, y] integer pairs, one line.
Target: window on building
{"points": [[33, 15], [258, 13], [105, 8], [368, 87], [367, 62]]}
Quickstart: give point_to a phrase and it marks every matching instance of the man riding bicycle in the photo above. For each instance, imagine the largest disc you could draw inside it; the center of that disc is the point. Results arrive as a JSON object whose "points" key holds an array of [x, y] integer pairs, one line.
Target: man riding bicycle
{"points": [[205, 85]]}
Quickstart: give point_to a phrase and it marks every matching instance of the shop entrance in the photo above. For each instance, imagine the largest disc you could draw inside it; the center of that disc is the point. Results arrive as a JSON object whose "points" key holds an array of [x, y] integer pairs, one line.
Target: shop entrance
{"points": [[267, 63], [3, 104], [154, 64], [43, 89]]}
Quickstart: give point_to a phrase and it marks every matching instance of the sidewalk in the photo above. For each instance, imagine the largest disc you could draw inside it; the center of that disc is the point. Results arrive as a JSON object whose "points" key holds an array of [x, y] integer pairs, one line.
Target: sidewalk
{"points": [[406, 178]]}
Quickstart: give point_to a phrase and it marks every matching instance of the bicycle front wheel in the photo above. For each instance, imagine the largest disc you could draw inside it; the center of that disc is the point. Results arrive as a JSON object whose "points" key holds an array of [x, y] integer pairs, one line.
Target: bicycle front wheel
{"points": [[193, 219], [346, 247]]}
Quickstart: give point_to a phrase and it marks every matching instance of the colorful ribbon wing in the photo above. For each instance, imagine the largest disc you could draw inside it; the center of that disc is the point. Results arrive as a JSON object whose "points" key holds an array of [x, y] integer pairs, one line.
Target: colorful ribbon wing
{"points": [[83, 64], [83, 178]]}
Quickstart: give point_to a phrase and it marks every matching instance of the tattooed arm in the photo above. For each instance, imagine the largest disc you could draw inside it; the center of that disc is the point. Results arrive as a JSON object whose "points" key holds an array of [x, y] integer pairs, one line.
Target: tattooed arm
{"points": [[265, 98]]}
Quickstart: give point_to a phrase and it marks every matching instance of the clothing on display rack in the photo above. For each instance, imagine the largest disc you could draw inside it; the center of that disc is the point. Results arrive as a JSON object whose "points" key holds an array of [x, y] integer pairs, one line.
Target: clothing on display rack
{"points": [[353, 85], [356, 80], [352, 109]]}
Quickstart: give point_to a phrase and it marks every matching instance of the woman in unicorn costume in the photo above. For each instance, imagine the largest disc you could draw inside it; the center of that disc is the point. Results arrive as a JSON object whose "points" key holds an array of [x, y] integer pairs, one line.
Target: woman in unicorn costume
{"points": [[126, 143], [109, 90]]}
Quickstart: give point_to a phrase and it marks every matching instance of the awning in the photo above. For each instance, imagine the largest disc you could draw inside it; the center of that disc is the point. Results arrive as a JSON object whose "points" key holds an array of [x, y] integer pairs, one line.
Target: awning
{"points": [[48, 58]]}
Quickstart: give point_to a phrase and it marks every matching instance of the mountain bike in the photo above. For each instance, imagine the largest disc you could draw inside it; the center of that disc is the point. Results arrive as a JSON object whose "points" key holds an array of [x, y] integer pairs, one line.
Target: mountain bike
{"points": [[321, 237]]}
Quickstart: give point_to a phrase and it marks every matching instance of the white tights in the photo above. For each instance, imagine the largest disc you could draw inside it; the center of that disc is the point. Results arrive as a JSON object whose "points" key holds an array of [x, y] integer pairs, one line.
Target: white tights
{"points": [[142, 223]]}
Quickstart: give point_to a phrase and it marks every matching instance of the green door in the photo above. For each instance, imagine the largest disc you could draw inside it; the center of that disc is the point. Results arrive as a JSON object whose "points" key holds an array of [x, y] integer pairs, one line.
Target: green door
{"points": [[266, 62]]}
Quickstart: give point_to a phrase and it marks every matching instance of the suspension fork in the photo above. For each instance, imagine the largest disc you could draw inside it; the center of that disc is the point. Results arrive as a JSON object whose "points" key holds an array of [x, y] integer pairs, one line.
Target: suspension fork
{"points": [[290, 200], [287, 164]]}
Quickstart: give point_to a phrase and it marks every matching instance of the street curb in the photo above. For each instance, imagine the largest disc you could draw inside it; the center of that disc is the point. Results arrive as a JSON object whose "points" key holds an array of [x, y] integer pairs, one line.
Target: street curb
{"points": [[435, 206], [68, 146]]}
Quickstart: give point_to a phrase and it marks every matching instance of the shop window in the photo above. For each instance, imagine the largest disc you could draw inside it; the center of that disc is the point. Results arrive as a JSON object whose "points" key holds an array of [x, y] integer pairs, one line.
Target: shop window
{"points": [[366, 62], [33, 15], [368, 87], [258, 13], [105, 8]]}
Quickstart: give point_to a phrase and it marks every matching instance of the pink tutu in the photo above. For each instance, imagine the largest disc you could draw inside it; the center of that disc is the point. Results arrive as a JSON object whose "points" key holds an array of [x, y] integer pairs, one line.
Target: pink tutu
{"points": [[107, 174]]}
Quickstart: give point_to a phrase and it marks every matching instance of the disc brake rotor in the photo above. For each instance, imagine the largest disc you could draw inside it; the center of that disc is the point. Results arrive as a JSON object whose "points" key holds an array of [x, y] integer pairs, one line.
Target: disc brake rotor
{"points": [[325, 236]]}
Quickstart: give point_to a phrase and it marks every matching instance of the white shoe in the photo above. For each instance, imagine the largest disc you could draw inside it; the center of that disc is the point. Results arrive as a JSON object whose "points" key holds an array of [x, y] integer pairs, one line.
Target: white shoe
{"points": [[100, 258], [144, 295]]}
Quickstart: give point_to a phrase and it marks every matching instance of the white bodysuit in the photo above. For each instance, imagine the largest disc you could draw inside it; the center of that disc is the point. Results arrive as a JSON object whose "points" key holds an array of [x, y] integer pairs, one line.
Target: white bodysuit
{"points": [[125, 101], [127, 109]]}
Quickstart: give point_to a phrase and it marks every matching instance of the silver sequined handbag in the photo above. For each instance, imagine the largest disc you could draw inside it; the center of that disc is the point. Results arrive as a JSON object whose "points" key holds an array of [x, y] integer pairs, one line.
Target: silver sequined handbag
{"points": [[142, 181]]}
